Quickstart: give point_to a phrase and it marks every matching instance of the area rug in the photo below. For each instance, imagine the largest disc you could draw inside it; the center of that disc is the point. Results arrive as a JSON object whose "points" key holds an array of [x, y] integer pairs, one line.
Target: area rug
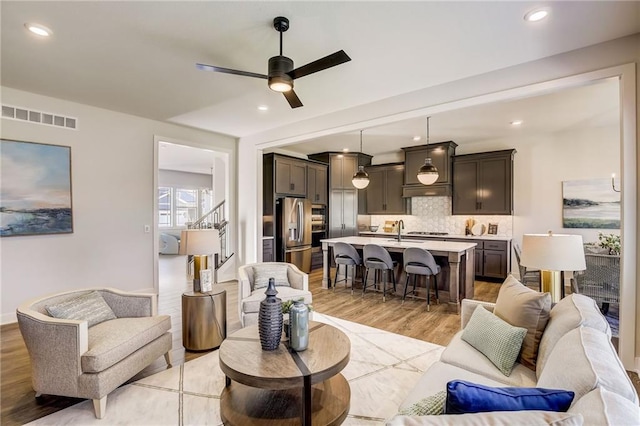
{"points": [[382, 369]]}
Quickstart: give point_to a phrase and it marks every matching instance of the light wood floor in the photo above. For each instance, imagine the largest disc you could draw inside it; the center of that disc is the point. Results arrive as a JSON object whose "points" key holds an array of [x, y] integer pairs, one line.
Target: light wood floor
{"points": [[18, 402]]}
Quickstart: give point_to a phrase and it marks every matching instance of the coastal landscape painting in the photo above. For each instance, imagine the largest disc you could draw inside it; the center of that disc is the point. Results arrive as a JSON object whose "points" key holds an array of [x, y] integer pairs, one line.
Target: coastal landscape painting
{"points": [[590, 203], [35, 190]]}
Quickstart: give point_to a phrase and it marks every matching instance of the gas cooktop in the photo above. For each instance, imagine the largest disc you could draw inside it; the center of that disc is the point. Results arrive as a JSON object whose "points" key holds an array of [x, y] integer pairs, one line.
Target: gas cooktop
{"points": [[426, 233]]}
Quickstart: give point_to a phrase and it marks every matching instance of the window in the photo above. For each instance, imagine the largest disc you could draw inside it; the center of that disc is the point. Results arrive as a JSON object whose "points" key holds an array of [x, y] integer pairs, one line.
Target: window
{"points": [[179, 206], [165, 203]]}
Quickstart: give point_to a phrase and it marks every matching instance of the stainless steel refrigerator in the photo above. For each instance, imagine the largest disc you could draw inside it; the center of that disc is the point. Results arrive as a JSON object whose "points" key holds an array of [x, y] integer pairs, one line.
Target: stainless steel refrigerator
{"points": [[293, 232]]}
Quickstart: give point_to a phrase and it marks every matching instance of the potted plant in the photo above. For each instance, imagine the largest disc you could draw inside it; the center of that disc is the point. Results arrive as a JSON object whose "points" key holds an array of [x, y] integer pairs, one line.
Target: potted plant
{"points": [[611, 242], [286, 307]]}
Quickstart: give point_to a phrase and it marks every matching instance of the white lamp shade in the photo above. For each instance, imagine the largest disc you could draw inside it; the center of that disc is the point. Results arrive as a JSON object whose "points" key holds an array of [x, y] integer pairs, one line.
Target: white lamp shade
{"points": [[553, 252], [199, 242]]}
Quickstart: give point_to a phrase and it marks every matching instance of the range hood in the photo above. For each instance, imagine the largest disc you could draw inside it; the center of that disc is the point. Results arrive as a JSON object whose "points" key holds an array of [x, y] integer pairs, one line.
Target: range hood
{"points": [[442, 156], [409, 191]]}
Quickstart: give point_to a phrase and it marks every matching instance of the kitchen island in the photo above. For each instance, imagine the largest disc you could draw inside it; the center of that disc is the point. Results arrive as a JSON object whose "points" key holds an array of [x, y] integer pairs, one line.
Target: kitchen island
{"points": [[459, 256]]}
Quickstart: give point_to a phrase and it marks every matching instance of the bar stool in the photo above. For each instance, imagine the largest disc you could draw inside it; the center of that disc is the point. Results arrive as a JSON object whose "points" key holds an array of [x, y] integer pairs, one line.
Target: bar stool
{"points": [[378, 258], [418, 261], [345, 254]]}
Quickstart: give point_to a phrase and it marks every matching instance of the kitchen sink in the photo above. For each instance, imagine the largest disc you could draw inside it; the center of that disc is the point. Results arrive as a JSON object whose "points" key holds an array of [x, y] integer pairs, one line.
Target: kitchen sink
{"points": [[412, 241]]}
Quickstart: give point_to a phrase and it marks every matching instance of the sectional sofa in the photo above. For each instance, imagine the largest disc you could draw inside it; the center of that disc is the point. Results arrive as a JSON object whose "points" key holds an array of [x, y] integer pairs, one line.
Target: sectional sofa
{"points": [[574, 353]]}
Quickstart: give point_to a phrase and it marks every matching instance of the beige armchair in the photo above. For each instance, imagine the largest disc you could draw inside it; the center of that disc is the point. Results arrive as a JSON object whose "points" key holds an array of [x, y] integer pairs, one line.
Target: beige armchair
{"points": [[249, 298], [68, 358]]}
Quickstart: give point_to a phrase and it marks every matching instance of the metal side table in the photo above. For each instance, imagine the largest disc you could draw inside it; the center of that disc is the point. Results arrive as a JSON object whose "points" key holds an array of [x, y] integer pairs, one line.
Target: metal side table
{"points": [[204, 319]]}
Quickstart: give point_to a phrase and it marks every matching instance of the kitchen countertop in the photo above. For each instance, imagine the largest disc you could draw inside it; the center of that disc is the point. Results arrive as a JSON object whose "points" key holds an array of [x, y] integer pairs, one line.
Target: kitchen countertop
{"points": [[406, 235], [435, 246]]}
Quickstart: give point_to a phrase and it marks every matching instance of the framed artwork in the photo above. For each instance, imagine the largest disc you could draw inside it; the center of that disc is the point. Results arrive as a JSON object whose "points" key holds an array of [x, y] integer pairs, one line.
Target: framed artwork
{"points": [[590, 203], [35, 196], [206, 280], [493, 229]]}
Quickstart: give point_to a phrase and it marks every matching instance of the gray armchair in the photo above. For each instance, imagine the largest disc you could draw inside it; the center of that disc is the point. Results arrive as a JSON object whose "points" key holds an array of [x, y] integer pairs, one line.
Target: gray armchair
{"points": [[249, 298], [69, 358]]}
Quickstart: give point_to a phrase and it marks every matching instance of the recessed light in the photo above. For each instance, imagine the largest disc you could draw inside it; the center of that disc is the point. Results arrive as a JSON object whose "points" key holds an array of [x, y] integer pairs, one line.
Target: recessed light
{"points": [[345, 149], [516, 122], [38, 29], [263, 108], [536, 15], [416, 138]]}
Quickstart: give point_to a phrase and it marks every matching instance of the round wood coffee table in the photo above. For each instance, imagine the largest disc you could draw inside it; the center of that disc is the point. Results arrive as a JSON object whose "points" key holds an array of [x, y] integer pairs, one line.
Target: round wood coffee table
{"points": [[284, 387]]}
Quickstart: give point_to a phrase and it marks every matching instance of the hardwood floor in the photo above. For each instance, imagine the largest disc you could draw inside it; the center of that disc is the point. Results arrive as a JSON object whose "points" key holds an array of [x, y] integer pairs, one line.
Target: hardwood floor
{"points": [[18, 402]]}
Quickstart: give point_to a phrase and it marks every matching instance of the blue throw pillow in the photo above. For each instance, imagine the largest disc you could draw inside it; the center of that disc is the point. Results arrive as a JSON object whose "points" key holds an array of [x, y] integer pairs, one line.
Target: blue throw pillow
{"points": [[465, 397]]}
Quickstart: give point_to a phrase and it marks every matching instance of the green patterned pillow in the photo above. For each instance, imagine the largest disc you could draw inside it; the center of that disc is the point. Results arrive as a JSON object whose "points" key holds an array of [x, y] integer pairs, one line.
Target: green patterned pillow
{"points": [[432, 405], [496, 339], [89, 307]]}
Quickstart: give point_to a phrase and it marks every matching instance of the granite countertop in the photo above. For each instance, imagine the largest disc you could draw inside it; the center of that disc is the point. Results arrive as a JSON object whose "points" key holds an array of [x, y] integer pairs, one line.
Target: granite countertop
{"points": [[406, 235]]}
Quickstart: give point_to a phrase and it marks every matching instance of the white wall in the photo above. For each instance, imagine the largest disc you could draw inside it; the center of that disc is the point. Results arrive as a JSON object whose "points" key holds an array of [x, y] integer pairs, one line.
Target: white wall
{"points": [[113, 199], [185, 179]]}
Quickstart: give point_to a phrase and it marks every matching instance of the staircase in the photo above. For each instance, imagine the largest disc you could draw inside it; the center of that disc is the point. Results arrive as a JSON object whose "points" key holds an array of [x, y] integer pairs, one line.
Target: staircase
{"points": [[215, 218]]}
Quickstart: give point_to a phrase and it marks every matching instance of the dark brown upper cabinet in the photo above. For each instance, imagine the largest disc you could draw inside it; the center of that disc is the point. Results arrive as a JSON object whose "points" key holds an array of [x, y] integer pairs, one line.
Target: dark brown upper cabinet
{"points": [[291, 176], [384, 193], [317, 183], [342, 167], [441, 155], [483, 183]]}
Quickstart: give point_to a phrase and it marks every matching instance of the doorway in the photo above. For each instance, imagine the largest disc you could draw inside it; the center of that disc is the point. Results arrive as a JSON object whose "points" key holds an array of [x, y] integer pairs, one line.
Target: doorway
{"points": [[189, 181]]}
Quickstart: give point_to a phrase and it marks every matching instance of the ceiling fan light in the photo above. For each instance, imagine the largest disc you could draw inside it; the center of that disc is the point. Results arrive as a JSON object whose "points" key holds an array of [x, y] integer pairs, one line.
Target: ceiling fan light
{"points": [[279, 86], [428, 173], [361, 179], [279, 80]]}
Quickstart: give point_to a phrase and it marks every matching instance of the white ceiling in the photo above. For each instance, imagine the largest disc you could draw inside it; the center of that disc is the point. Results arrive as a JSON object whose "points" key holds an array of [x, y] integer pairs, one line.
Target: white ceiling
{"points": [[593, 105], [139, 57], [186, 158]]}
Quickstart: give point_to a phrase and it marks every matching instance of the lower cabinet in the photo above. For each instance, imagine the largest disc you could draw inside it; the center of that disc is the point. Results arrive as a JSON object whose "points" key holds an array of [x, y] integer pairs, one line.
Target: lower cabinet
{"points": [[267, 250], [316, 258], [494, 259], [491, 257]]}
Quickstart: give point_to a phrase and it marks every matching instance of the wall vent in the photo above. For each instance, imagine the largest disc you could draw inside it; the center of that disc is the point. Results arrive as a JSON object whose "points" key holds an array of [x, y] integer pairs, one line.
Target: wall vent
{"points": [[38, 117]]}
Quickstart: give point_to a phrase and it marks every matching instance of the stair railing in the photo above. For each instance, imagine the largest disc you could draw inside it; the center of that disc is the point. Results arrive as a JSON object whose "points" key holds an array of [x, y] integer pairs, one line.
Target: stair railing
{"points": [[216, 219]]}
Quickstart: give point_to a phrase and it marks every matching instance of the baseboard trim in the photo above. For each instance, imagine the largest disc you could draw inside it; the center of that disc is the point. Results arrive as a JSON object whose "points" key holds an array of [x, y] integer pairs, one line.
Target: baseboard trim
{"points": [[8, 318]]}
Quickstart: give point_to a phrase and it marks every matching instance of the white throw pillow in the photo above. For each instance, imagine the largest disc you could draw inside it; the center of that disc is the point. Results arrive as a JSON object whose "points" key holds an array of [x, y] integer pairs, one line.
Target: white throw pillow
{"points": [[262, 273], [89, 307]]}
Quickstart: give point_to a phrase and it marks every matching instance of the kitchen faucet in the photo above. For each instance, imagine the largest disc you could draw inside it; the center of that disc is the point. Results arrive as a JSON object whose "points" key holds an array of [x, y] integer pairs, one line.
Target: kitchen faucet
{"points": [[400, 228]]}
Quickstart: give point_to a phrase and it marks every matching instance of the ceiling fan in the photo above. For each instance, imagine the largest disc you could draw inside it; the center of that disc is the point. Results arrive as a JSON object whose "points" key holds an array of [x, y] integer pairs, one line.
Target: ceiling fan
{"points": [[281, 72]]}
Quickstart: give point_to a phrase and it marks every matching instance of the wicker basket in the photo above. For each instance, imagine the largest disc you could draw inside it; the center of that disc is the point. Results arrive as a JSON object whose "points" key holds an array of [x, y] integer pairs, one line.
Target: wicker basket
{"points": [[601, 279]]}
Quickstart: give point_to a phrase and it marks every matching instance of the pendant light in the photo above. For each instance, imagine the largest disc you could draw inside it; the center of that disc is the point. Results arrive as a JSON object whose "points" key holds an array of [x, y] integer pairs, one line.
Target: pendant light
{"points": [[428, 173], [361, 179]]}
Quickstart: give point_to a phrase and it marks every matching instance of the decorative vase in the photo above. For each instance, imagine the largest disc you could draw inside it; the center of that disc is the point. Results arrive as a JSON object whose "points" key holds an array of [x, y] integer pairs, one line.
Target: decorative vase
{"points": [[299, 323], [270, 319]]}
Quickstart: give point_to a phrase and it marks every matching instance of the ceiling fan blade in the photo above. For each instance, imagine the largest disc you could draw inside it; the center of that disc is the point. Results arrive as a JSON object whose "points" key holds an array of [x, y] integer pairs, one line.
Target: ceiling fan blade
{"points": [[321, 64], [205, 67], [292, 98]]}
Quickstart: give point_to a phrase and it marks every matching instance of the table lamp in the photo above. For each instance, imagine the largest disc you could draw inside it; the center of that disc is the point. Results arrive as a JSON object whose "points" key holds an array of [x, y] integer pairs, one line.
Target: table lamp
{"points": [[553, 254], [199, 243]]}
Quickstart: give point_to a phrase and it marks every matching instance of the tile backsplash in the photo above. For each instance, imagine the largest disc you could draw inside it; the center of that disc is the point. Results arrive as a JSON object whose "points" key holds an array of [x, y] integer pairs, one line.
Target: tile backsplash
{"points": [[433, 214]]}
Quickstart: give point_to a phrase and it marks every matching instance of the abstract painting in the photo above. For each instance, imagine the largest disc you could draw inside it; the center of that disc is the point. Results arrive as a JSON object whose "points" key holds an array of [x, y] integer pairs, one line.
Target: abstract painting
{"points": [[35, 189], [590, 203]]}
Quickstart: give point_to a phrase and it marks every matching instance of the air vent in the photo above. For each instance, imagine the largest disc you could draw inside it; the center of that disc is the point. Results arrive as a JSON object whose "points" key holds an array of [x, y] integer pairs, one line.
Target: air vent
{"points": [[39, 117]]}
